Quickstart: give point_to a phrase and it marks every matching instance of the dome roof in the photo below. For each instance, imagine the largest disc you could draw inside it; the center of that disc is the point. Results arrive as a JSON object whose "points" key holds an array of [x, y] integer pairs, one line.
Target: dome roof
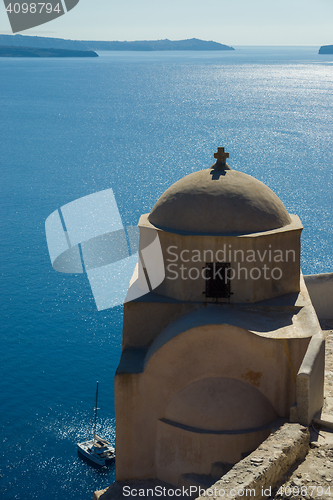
{"points": [[219, 200]]}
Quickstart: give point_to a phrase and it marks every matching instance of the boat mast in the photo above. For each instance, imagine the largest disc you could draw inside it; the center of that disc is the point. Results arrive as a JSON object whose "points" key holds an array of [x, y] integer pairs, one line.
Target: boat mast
{"points": [[95, 424]]}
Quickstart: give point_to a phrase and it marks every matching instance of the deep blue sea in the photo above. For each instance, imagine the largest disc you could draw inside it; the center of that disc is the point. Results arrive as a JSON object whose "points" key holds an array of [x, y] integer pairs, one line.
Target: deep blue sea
{"points": [[136, 123]]}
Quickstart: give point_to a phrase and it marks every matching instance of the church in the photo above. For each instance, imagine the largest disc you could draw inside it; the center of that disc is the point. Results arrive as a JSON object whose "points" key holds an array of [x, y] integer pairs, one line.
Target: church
{"points": [[228, 343]]}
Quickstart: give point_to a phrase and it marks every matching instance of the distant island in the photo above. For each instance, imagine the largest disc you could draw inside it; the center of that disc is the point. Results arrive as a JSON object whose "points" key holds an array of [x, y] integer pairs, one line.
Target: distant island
{"points": [[149, 45], [88, 45], [326, 49], [6, 51]]}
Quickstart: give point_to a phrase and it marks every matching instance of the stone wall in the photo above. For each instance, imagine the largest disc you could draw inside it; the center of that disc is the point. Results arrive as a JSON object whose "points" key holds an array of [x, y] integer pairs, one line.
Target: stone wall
{"points": [[320, 287]]}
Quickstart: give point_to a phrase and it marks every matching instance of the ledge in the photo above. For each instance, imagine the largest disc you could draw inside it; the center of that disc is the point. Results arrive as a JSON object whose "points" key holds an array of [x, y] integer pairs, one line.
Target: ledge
{"points": [[265, 467]]}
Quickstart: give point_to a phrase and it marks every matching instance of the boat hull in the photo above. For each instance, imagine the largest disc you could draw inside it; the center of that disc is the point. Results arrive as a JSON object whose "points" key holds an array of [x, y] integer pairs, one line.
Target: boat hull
{"points": [[99, 455]]}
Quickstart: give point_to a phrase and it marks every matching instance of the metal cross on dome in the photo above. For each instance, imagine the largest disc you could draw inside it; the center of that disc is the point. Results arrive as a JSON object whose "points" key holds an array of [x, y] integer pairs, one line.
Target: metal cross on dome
{"points": [[221, 156]]}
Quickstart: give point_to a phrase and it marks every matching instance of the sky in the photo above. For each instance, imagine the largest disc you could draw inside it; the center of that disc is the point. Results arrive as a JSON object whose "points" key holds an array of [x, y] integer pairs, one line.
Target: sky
{"points": [[233, 22]]}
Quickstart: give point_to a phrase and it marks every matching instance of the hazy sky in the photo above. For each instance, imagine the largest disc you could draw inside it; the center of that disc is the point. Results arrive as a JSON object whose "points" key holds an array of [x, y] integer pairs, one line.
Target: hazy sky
{"points": [[233, 22]]}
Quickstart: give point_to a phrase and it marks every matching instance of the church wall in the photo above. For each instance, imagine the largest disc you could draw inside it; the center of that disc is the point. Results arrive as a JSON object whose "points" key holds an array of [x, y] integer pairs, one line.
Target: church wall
{"points": [[147, 317], [206, 351], [189, 452], [263, 265], [320, 287], [143, 321]]}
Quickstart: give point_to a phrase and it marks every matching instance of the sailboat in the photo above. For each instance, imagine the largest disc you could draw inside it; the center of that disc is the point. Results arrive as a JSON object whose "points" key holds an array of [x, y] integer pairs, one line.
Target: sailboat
{"points": [[97, 450]]}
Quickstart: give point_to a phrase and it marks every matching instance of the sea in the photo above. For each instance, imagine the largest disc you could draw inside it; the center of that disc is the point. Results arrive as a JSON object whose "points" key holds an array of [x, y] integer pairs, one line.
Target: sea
{"points": [[135, 122]]}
